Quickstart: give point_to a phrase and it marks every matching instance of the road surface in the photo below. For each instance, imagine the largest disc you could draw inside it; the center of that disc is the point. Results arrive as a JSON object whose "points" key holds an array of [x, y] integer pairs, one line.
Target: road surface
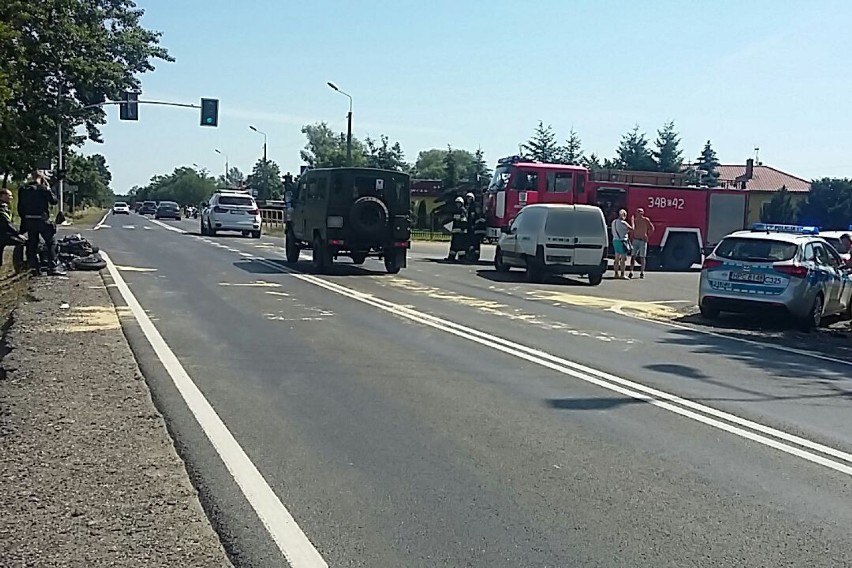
{"points": [[453, 416]]}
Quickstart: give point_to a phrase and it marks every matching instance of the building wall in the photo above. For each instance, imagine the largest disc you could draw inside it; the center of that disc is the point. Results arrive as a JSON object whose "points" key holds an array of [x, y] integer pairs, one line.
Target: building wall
{"points": [[756, 201]]}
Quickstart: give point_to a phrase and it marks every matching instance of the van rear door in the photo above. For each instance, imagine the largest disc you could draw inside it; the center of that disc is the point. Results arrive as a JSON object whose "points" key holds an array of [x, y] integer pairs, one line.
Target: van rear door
{"points": [[590, 237], [559, 236]]}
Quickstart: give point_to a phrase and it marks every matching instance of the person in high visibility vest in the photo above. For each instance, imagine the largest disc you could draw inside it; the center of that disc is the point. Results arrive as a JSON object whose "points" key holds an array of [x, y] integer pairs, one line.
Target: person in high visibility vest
{"points": [[460, 229]]}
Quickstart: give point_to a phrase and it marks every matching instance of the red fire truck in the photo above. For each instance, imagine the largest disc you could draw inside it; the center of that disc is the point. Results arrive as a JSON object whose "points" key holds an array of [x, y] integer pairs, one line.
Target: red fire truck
{"points": [[688, 220]]}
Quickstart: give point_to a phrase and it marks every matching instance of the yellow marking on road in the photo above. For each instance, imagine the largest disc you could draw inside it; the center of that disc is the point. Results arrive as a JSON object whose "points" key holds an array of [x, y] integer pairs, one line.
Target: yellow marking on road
{"points": [[256, 284], [135, 269], [617, 305]]}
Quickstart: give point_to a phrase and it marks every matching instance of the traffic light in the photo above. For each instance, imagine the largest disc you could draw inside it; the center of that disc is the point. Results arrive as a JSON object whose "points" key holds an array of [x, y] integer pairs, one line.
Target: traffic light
{"points": [[209, 112], [129, 109]]}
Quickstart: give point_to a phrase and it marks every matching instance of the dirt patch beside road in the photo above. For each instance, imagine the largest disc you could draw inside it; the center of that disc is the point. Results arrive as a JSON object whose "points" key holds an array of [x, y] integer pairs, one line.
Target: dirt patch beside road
{"points": [[88, 473]]}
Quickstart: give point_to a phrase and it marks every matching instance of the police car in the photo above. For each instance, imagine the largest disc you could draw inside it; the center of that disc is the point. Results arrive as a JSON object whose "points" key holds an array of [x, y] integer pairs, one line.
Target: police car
{"points": [[786, 268]]}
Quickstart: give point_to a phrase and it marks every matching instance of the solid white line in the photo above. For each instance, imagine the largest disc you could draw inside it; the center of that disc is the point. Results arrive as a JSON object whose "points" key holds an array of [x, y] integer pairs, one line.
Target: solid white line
{"points": [[247, 255], [169, 227], [711, 416], [100, 223], [288, 536]]}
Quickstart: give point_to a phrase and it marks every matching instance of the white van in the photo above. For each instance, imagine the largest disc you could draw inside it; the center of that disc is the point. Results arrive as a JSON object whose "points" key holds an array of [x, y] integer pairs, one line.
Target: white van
{"points": [[549, 238]]}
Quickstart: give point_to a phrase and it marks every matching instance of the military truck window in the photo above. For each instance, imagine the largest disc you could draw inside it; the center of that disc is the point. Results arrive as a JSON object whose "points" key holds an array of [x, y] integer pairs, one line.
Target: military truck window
{"points": [[560, 182], [312, 188], [372, 185], [337, 184], [322, 187]]}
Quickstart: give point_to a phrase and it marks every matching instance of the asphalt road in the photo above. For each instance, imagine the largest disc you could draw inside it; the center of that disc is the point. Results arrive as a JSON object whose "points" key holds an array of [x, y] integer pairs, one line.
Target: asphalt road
{"points": [[451, 416]]}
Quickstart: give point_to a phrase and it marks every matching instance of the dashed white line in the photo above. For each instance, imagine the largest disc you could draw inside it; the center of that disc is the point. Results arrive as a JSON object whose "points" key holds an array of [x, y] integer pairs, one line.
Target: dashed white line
{"points": [[282, 527], [169, 227]]}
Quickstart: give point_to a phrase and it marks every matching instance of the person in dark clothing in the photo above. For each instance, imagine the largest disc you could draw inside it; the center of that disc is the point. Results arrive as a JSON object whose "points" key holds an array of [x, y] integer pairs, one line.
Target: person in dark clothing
{"points": [[34, 201], [460, 229], [9, 235]]}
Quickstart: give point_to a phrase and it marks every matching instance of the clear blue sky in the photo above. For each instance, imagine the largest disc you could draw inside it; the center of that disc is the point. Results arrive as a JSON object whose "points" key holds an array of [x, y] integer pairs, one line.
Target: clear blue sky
{"points": [[768, 73]]}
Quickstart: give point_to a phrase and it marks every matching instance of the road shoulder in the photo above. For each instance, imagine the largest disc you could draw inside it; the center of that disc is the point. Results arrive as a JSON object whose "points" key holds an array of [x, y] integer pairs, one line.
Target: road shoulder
{"points": [[88, 473]]}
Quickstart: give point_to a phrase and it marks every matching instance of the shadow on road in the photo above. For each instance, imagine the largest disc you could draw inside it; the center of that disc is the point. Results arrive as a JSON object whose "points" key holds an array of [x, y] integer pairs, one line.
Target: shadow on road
{"points": [[455, 262], [679, 370], [306, 267], [603, 403], [518, 277]]}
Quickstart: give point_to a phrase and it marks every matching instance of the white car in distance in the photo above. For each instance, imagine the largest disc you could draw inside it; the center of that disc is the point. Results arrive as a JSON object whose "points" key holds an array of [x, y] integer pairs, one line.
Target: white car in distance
{"points": [[120, 208]]}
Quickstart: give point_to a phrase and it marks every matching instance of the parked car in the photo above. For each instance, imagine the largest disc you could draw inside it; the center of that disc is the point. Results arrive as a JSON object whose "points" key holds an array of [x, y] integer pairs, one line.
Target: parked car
{"points": [[231, 211], [770, 268], [551, 238], [149, 208], [833, 238], [354, 212], [167, 210], [120, 208]]}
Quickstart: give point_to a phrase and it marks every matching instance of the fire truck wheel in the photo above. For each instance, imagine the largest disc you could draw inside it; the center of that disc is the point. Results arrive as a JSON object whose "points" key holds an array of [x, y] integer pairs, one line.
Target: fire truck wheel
{"points": [[681, 253]]}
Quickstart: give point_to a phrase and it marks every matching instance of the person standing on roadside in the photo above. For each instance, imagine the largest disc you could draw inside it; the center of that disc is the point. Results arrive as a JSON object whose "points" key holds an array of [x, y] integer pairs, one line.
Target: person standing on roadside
{"points": [[34, 201], [621, 243], [642, 229], [9, 235]]}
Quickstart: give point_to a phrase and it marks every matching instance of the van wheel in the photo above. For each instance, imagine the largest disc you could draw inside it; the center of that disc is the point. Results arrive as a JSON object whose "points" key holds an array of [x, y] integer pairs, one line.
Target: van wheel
{"points": [[291, 248], [499, 265], [322, 259], [535, 271], [595, 278]]}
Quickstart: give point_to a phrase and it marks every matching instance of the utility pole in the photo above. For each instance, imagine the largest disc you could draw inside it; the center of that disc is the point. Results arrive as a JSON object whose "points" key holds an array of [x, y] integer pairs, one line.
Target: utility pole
{"points": [[227, 169], [348, 124], [264, 141], [60, 162]]}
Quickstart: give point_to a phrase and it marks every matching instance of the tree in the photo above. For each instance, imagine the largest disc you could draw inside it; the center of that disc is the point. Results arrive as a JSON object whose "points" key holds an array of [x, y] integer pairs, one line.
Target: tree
{"points": [[92, 177], [542, 147], [235, 178], [780, 208], [384, 156], [708, 162], [451, 174], [431, 164], [633, 153], [667, 154], [480, 172], [572, 151], [265, 178], [327, 149], [185, 186], [592, 162], [828, 204], [59, 56]]}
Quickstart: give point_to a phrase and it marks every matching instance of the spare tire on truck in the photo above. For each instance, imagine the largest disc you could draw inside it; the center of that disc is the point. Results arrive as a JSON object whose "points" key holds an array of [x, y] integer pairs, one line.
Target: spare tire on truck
{"points": [[681, 252], [369, 217]]}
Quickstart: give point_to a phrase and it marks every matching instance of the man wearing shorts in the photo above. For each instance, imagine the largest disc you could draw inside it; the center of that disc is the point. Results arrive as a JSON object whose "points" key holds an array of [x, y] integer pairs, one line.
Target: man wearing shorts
{"points": [[642, 228]]}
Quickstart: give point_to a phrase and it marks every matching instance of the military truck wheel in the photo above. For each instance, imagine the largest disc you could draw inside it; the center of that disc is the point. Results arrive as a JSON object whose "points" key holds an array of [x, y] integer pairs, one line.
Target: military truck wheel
{"points": [[291, 248], [321, 256], [394, 260], [359, 257]]}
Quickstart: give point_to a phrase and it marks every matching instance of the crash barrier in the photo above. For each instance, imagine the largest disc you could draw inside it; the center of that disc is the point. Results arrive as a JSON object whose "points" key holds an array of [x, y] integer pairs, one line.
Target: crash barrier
{"points": [[427, 235], [272, 218]]}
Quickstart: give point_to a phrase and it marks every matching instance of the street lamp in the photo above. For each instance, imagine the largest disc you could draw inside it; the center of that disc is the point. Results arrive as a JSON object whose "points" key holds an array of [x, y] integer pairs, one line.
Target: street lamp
{"points": [[264, 140], [348, 124], [221, 153]]}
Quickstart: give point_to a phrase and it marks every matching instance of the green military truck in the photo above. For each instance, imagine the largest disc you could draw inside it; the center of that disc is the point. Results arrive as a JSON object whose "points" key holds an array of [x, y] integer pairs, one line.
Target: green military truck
{"points": [[354, 212]]}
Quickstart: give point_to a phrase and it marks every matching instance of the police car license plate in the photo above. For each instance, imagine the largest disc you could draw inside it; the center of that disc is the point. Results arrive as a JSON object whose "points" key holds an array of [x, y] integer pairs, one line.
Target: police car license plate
{"points": [[747, 277]]}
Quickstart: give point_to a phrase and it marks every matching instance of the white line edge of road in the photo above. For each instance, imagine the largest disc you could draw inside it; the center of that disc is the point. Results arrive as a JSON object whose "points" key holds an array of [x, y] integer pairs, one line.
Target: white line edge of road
{"points": [[169, 227], [100, 223], [282, 527], [689, 409]]}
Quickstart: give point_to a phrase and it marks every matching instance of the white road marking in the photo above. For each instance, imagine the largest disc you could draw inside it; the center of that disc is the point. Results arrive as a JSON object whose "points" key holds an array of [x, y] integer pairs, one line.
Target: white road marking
{"points": [[247, 255], [701, 413], [100, 223], [147, 228], [128, 227], [288, 536], [169, 227]]}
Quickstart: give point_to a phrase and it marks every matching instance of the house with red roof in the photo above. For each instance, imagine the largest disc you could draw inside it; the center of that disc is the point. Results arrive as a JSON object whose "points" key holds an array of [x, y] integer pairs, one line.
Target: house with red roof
{"points": [[762, 182]]}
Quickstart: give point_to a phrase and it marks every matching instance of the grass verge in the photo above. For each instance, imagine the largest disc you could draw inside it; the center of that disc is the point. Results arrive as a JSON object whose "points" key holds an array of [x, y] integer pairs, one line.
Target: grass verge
{"points": [[13, 287], [88, 216]]}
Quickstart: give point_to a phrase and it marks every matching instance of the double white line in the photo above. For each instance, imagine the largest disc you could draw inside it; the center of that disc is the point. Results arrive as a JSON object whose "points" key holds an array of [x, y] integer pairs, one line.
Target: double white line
{"points": [[788, 443]]}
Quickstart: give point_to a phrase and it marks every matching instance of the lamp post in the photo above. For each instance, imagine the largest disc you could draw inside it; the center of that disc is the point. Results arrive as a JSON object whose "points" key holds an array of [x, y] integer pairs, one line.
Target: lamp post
{"points": [[348, 124], [221, 153], [264, 140]]}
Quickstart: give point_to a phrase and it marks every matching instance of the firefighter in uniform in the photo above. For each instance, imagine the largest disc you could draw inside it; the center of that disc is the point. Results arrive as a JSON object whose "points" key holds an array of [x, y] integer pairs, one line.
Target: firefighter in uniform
{"points": [[477, 227], [460, 229], [34, 201], [9, 235]]}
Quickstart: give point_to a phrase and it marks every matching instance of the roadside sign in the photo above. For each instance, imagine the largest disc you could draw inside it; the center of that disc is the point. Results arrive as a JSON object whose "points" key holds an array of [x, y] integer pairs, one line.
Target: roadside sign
{"points": [[448, 227], [71, 188]]}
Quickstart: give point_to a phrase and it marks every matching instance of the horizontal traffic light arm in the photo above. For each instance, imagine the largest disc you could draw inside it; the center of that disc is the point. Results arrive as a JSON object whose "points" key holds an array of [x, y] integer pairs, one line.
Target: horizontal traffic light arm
{"points": [[140, 102]]}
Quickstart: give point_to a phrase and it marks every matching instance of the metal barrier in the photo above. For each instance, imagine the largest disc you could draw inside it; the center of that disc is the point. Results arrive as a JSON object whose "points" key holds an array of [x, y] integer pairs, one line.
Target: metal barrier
{"points": [[427, 235], [273, 218]]}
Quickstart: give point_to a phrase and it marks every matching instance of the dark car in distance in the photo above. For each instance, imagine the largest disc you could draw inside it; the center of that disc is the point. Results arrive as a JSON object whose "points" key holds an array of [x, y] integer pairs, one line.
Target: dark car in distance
{"points": [[167, 210], [149, 208]]}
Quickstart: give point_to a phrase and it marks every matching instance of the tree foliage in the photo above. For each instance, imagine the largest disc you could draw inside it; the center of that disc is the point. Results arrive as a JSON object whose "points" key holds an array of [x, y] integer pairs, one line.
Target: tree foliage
{"points": [[431, 164], [385, 156], [708, 162], [59, 56], [91, 176], [667, 153], [235, 178], [185, 185], [327, 149], [828, 204], [572, 151], [779, 209], [265, 178], [542, 147], [633, 152]]}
